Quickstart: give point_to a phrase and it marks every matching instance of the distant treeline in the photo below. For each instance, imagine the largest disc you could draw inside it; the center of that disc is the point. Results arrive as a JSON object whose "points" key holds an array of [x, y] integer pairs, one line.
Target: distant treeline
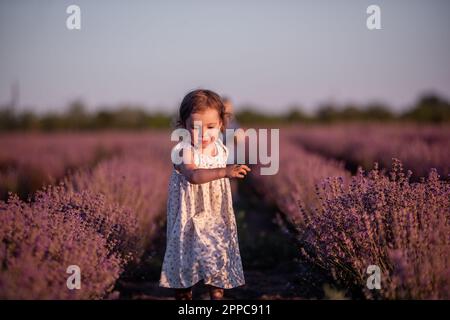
{"points": [[429, 108]]}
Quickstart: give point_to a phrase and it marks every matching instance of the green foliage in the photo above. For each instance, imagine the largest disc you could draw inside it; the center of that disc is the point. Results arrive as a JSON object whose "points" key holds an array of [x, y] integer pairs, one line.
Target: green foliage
{"points": [[330, 113], [77, 117], [429, 108]]}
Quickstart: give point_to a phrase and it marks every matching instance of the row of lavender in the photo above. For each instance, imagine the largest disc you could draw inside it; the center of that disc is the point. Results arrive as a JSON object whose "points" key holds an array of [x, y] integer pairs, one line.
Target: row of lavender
{"points": [[345, 224], [99, 219], [419, 147], [30, 160]]}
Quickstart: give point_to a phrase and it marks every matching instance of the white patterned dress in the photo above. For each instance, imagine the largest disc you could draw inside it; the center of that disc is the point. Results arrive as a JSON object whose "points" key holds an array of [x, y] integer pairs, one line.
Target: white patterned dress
{"points": [[202, 241]]}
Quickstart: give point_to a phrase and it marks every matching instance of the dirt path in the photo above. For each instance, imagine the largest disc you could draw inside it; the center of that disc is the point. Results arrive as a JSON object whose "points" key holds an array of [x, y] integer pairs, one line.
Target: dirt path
{"points": [[269, 256]]}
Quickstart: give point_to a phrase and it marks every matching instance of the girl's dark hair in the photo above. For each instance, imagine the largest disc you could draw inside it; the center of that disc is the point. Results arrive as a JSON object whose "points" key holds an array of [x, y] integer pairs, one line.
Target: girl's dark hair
{"points": [[198, 101]]}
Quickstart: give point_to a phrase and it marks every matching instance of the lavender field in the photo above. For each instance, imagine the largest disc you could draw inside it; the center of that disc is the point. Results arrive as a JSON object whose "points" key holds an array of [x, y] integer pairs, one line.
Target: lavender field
{"points": [[100, 217], [345, 197], [419, 147], [345, 223]]}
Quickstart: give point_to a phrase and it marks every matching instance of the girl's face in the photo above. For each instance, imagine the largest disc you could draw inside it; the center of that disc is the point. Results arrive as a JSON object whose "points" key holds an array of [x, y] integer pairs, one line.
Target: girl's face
{"points": [[204, 127]]}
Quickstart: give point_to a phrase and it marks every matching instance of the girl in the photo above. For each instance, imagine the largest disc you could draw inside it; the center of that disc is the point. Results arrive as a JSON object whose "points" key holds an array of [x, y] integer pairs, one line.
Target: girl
{"points": [[202, 241]]}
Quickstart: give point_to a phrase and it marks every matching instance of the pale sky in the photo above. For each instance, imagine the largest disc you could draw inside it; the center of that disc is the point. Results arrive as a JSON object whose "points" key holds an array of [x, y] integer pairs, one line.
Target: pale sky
{"points": [[270, 54]]}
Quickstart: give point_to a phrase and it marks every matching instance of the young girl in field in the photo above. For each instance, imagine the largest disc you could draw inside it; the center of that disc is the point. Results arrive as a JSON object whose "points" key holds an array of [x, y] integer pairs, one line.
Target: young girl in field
{"points": [[202, 241]]}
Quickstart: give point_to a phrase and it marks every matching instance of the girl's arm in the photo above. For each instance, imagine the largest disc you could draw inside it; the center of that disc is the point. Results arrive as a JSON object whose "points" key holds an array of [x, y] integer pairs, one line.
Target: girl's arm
{"points": [[198, 176]]}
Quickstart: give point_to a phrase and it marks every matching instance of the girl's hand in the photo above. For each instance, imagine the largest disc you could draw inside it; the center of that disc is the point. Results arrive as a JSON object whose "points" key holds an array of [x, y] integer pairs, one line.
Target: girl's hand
{"points": [[237, 171]]}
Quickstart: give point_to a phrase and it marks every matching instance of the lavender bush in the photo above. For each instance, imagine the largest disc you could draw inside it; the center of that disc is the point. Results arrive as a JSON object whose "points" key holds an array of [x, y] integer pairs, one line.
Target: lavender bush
{"points": [[387, 221], [348, 223], [39, 240], [136, 181], [99, 219]]}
